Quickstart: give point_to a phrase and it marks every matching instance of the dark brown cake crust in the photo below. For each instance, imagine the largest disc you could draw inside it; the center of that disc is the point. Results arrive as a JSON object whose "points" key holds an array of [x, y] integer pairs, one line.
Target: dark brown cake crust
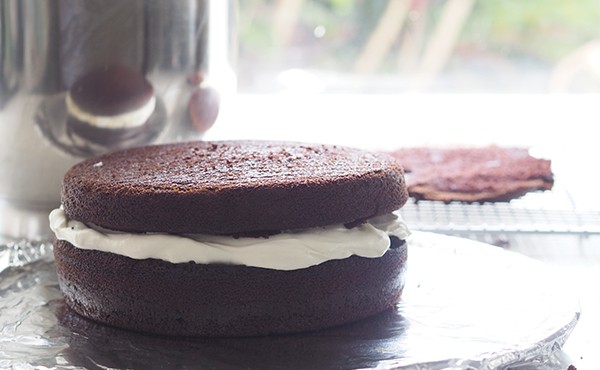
{"points": [[190, 299], [232, 187], [478, 174]]}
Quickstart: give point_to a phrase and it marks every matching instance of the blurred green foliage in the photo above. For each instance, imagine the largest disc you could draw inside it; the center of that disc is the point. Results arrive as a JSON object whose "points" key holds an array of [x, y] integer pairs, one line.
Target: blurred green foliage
{"points": [[500, 42], [545, 29]]}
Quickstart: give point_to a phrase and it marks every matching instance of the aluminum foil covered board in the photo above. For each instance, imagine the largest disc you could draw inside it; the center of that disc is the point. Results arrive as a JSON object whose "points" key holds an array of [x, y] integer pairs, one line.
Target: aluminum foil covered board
{"points": [[466, 305]]}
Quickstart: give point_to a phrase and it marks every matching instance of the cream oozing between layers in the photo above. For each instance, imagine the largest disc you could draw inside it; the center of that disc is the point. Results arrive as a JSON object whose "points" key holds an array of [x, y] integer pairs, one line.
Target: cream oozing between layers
{"points": [[131, 119], [285, 251]]}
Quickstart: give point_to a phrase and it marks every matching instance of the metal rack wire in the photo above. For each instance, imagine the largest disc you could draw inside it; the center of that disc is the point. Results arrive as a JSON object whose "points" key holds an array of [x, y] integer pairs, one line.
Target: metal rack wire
{"points": [[540, 213]]}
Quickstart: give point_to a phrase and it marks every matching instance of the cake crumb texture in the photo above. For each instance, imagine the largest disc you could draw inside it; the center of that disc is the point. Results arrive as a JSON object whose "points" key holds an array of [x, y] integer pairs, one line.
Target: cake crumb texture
{"points": [[477, 174], [188, 299], [232, 187]]}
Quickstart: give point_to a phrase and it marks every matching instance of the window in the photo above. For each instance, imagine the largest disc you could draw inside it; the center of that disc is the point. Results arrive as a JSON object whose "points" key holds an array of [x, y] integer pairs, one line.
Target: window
{"points": [[438, 46]]}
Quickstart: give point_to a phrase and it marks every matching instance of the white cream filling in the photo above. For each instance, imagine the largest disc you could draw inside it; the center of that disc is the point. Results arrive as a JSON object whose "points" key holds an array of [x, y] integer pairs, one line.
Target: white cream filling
{"points": [[286, 251], [120, 121]]}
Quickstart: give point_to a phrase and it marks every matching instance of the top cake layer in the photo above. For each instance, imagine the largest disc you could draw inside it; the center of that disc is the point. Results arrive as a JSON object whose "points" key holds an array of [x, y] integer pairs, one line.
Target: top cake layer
{"points": [[476, 174], [232, 188]]}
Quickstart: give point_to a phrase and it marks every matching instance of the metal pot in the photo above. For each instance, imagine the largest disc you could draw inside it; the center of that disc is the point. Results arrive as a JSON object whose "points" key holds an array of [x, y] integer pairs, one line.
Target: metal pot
{"points": [[47, 46]]}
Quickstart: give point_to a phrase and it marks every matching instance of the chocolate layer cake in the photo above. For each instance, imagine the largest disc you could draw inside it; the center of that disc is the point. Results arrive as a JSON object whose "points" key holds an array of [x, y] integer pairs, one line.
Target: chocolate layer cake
{"points": [[231, 238], [478, 174], [110, 104]]}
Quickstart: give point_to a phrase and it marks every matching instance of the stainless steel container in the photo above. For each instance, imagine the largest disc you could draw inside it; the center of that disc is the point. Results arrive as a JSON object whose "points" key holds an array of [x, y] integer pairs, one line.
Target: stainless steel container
{"points": [[178, 46]]}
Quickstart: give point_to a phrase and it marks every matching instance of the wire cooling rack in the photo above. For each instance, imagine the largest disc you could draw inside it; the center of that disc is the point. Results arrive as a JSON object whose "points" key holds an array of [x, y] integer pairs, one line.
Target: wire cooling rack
{"points": [[550, 212]]}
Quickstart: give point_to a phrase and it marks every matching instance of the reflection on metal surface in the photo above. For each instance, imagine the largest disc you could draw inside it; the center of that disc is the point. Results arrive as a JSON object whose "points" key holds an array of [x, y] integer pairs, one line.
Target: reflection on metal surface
{"points": [[466, 305], [53, 121], [46, 46]]}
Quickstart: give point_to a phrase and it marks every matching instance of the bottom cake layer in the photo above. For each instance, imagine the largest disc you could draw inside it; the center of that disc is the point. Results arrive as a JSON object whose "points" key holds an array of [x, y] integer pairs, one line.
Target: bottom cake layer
{"points": [[190, 299]]}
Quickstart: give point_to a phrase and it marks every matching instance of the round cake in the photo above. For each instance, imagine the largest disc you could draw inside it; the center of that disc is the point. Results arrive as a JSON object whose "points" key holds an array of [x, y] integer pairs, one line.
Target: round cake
{"points": [[110, 104], [231, 238], [473, 174]]}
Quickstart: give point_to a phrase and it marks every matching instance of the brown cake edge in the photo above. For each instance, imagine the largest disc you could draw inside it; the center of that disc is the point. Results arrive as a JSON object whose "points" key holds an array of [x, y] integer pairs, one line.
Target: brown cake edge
{"points": [[239, 207], [158, 297], [516, 190]]}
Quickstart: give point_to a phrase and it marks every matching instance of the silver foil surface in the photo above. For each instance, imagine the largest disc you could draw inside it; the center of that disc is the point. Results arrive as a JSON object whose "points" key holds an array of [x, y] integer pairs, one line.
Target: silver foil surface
{"points": [[466, 305]]}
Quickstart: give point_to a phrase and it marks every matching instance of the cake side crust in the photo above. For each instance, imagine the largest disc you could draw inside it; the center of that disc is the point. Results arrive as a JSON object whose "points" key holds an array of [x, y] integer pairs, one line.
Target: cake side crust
{"points": [[477, 174], [232, 187], [155, 296]]}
